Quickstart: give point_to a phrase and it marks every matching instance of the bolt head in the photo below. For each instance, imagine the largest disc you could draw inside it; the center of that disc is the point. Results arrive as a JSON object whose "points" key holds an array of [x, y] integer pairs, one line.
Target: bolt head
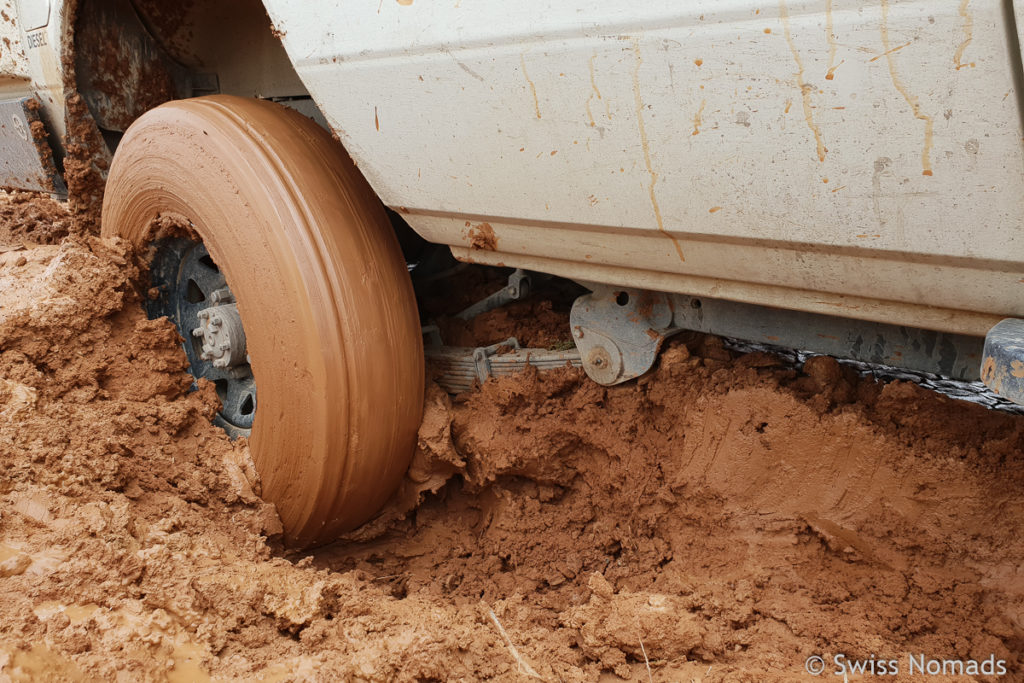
{"points": [[220, 296], [600, 365], [579, 333]]}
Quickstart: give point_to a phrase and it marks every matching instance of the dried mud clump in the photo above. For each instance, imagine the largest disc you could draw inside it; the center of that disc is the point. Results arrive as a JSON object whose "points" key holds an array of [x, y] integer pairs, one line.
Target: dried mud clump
{"points": [[41, 140], [28, 218], [481, 236], [86, 163]]}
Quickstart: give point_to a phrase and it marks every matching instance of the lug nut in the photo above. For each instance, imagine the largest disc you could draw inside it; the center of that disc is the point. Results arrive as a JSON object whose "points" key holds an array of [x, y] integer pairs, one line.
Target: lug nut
{"points": [[222, 295]]}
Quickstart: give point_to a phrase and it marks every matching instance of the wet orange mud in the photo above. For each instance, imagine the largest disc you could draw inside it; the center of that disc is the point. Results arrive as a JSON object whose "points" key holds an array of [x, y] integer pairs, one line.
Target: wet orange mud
{"points": [[724, 518]]}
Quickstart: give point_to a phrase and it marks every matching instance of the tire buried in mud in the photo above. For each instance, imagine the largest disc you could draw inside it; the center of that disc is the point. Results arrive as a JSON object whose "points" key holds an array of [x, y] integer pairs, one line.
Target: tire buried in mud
{"points": [[322, 289]]}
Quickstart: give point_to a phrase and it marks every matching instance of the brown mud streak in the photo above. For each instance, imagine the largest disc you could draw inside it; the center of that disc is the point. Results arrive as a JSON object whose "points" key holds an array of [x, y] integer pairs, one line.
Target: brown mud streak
{"points": [[968, 36], [832, 47], [597, 91], [912, 100], [697, 118], [533, 88], [638, 100], [805, 89], [889, 52]]}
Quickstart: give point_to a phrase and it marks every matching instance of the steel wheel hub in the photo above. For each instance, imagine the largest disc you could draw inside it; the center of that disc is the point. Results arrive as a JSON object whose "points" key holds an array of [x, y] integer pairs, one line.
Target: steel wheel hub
{"points": [[194, 295]]}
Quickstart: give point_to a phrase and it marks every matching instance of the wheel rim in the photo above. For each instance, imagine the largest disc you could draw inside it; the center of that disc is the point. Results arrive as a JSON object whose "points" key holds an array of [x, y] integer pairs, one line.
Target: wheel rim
{"points": [[187, 282]]}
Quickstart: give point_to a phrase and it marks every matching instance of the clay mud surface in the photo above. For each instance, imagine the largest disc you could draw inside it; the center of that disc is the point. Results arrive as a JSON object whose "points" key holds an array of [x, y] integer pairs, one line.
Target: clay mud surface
{"points": [[723, 519]]}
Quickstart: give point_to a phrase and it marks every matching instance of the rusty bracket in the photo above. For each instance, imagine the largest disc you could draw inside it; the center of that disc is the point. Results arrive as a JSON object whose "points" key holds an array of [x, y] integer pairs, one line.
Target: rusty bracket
{"points": [[518, 287], [619, 331]]}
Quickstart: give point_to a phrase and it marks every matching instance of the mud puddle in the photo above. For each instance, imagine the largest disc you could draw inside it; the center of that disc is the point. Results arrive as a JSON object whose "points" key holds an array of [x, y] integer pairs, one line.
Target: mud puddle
{"points": [[725, 518]]}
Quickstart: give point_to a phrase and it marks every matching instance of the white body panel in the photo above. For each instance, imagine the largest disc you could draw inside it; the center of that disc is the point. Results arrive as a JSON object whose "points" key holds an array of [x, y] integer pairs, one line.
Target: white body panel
{"points": [[849, 158], [31, 33], [14, 68]]}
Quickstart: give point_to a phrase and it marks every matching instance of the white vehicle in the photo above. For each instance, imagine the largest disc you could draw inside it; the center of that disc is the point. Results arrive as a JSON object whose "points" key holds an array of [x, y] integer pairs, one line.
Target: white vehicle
{"points": [[839, 176]]}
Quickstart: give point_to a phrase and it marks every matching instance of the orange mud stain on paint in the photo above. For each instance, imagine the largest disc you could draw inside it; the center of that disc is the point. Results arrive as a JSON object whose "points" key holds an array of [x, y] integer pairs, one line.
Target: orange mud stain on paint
{"points": [[968, 36], [912, 100], [644, 144], [805, 89], [533, 88], [697, 118]]}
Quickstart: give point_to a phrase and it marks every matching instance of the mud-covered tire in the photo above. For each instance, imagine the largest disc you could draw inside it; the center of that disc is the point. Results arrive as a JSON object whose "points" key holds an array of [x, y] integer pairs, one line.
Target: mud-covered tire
{"points": [[322, 289]]}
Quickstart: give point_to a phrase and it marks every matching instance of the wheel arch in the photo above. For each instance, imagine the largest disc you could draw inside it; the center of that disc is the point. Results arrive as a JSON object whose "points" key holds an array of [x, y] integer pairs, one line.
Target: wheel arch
{"points": [[126, 57]]}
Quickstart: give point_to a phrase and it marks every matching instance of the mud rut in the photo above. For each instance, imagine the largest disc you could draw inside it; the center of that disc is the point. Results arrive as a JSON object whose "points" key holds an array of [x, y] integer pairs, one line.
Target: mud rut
{"points": [[723, 519]]}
